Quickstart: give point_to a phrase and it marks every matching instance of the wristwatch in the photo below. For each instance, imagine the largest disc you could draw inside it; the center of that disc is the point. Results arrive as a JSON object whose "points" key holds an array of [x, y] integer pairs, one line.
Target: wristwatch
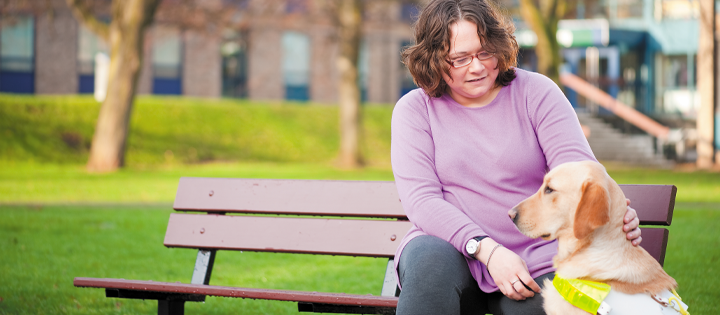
{"points": [[473, 246]]}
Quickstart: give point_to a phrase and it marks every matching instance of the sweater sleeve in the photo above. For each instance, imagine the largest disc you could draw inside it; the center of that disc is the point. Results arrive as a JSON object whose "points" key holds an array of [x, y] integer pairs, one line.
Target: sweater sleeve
{"points": [[420, 190], [556, 125]]}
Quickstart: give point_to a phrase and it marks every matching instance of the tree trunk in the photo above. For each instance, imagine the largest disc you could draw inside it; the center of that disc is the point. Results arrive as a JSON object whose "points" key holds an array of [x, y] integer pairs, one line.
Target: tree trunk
{"points": [[350, 18], [543, 21], [130, 18], [706, 85]]}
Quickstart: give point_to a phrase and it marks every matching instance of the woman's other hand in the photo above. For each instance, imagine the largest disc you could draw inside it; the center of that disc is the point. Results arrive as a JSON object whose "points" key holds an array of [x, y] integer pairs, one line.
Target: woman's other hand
{"points": [[509, 271], [631, 226]]}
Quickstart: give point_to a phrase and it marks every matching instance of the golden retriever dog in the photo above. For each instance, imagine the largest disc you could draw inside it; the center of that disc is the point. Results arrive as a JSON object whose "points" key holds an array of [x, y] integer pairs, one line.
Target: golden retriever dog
{"points": [[581, 206]]}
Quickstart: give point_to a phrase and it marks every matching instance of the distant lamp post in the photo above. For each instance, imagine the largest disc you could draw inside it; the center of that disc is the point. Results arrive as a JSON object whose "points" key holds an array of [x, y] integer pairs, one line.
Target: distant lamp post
{"points": [[102, 64]]}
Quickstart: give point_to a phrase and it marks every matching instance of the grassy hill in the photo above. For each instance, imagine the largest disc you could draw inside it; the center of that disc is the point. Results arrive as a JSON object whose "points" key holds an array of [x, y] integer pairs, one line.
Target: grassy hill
{"points": [[167, 130]]}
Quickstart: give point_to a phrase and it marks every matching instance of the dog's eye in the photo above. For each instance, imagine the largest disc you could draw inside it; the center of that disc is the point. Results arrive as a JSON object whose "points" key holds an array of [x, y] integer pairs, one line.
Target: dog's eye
{"points": [[548, 190]]}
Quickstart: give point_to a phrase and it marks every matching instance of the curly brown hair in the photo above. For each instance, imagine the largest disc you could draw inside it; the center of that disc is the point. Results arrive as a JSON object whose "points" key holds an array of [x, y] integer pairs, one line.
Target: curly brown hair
{"points": [[426, 59]]}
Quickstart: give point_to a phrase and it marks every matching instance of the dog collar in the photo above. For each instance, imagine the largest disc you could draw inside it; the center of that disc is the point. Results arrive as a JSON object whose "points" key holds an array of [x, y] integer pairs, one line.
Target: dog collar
{"points": [[584, 294]]}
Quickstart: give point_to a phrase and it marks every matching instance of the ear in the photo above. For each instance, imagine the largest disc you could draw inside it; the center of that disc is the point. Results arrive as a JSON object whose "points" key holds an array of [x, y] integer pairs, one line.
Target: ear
{"points": [[592, 211]]}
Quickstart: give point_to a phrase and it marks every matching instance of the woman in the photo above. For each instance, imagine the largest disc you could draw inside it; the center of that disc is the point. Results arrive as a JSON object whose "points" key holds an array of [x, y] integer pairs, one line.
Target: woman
{"points": [[475, 140]]}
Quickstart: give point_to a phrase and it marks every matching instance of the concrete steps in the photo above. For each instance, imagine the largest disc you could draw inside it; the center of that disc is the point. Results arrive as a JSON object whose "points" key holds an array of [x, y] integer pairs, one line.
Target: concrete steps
{"points": [[609, 144]]}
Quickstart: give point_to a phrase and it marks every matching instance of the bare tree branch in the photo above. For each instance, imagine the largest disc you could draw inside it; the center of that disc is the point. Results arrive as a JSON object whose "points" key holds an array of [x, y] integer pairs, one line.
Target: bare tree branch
{"points": [[548, 8], [532, 15], [83, 12], [543, 21]]}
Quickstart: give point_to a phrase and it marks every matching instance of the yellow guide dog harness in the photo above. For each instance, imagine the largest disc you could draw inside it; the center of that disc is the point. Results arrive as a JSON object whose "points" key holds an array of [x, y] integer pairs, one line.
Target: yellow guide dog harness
{"points": [[595, 297]]}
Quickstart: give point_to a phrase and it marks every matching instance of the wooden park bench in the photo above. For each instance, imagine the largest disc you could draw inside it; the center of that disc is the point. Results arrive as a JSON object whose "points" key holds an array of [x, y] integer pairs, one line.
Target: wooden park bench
{"points": [[335, 230]]}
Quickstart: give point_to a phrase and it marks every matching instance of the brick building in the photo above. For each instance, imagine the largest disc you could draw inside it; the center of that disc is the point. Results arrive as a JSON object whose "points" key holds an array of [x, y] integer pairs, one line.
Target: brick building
{"points": [[284, 51]]}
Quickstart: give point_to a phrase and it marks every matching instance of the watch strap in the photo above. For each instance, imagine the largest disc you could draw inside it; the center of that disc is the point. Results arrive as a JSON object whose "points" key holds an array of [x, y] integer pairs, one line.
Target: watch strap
{"points": [[480, 238]]}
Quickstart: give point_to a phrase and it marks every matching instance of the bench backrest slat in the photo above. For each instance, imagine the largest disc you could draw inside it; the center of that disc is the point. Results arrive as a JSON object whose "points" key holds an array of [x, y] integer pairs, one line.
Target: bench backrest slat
{"points": [[654, 241], [374, 238], [654, 203], [277, 196]]}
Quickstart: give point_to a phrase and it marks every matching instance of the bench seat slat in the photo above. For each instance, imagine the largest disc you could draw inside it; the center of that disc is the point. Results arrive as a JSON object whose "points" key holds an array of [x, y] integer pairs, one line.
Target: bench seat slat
{"points": [[371, 238], [315, 236], [278, 196], [250, 293]]}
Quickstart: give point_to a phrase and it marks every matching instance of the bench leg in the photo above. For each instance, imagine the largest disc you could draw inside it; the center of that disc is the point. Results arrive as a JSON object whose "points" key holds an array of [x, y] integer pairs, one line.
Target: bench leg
{"points": [[171, 307], [203, 267], [390, 285]]}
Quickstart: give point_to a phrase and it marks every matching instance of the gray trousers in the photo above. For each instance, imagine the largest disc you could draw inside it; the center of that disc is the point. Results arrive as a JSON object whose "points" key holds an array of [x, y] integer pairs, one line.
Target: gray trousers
{"points": [[435, 279]]}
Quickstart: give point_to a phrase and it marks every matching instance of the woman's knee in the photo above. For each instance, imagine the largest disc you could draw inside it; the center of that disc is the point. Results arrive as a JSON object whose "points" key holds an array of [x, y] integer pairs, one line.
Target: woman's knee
{"points": [[435, 279], [432, 260]]}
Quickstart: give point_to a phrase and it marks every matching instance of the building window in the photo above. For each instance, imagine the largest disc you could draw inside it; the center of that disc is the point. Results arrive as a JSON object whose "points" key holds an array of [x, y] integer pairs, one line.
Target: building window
{"points": [[679, 9], [295, 6], [17, 56], [89, 45], [296, 65], [167, 61], [234, 64], [625, 9], [527, 59], [406, 81], [676, 84], [409, 11]]}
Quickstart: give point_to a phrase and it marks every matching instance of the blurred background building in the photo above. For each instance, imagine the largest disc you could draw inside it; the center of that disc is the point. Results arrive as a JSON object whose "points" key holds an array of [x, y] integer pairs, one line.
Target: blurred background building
{"points": [[641, 52], [284, 54]]}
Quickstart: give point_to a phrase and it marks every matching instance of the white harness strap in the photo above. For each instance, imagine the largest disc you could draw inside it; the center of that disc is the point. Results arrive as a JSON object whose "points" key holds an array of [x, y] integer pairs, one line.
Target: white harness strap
{"points": [[665, 303]]}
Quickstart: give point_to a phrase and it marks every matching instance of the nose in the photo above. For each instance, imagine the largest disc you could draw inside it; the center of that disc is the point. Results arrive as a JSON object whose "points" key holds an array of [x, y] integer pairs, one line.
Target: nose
{"points": [[476, 64], [513, 214]]}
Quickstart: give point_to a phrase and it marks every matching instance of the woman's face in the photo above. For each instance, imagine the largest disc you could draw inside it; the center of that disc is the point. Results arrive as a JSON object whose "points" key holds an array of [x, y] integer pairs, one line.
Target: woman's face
{"points": [[472, 85]]}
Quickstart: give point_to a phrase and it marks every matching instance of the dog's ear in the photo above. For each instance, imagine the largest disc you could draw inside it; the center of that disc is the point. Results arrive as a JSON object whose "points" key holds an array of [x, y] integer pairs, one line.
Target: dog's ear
{"points": [[593, 209]]}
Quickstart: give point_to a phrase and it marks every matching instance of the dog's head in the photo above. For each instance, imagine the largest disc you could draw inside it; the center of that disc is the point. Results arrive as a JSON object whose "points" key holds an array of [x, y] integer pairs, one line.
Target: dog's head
{"points": [[574, 200]]}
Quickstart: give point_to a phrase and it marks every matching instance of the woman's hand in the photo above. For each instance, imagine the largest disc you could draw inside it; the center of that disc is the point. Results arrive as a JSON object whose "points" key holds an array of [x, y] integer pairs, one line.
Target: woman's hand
{"points": [[509, 271], [631, 226]]}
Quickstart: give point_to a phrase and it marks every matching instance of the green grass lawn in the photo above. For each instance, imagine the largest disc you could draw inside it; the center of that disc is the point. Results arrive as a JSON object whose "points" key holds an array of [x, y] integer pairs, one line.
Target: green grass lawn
{"points": [[44, 248], [49, 235], [35, 183], [22, 182], [58, 222]]}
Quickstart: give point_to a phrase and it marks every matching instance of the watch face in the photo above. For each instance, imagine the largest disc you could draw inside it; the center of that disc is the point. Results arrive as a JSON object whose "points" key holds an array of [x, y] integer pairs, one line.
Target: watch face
{"points": [[471, 247]]}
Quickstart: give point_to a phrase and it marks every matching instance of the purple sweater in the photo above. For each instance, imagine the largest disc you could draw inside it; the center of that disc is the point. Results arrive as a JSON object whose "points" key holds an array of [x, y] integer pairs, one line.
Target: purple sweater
{"points": [[459, 170]]}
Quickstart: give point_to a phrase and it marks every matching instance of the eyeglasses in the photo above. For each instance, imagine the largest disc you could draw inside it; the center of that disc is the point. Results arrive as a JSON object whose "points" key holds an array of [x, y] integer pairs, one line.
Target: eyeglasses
{"points": [[466, 60]]}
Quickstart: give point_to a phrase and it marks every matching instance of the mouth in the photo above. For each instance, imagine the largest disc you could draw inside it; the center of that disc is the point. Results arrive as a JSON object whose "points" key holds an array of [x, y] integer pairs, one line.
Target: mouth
{"points": [[475, 80], [545, 236]]}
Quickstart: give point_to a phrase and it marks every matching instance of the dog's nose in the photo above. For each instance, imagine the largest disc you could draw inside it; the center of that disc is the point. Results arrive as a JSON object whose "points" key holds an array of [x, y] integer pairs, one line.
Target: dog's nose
{"points": [[513, 214]]}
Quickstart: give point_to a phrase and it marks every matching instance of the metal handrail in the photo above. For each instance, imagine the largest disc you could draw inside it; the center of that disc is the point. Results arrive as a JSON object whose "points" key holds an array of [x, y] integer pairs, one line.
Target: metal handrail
{"points": [[623, 111]]}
